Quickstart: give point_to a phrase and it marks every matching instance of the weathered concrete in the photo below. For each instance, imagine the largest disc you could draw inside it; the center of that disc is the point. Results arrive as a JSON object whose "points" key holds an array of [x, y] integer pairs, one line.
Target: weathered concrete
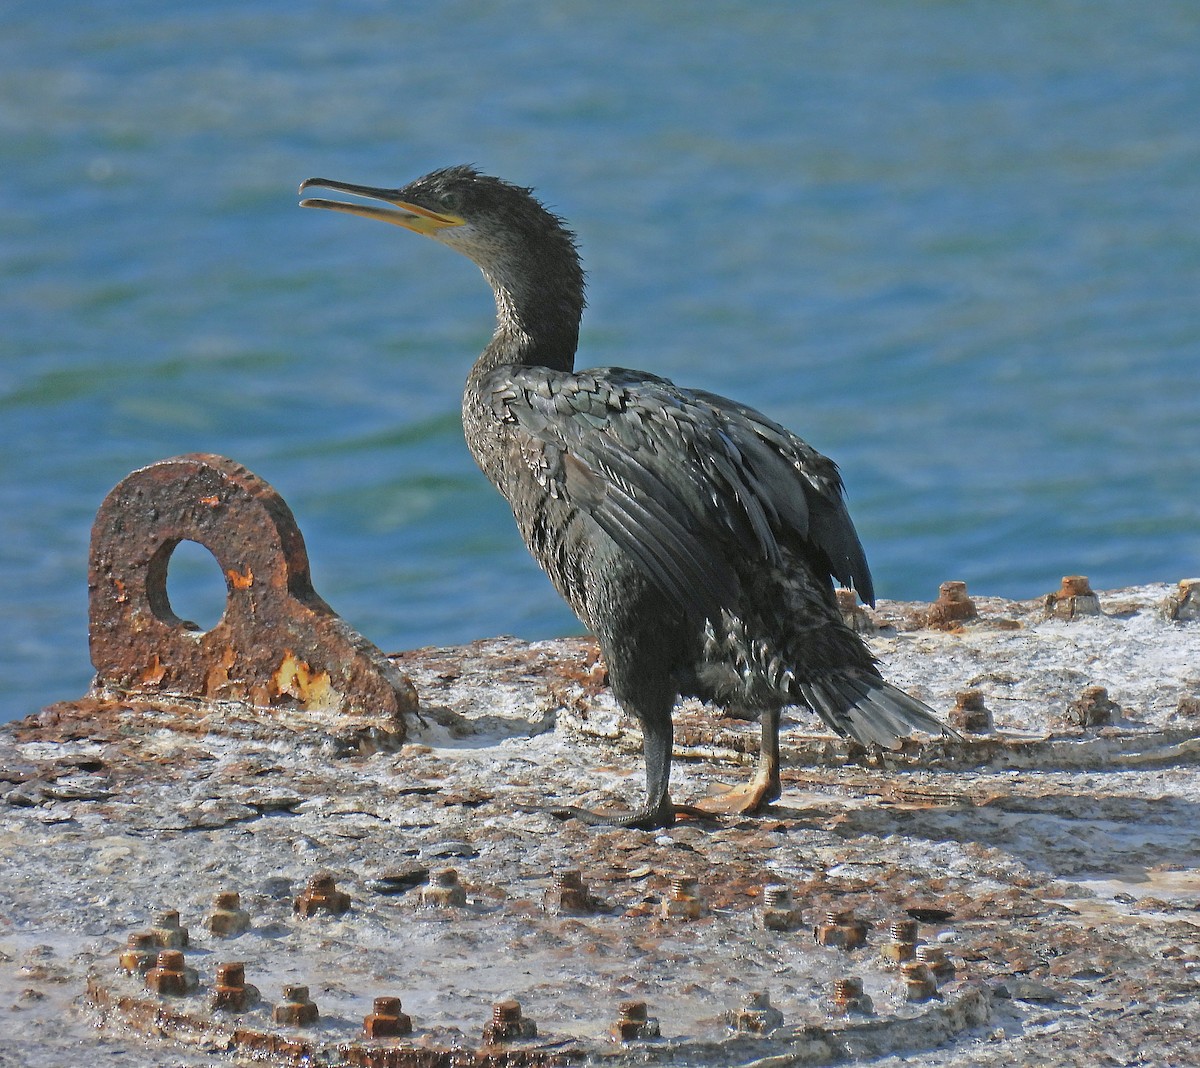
{"points": [[1058, 865]]}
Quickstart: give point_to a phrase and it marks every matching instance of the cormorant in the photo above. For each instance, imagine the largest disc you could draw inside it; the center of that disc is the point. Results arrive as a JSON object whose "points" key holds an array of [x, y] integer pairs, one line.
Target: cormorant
{"points": [[695, 537]]}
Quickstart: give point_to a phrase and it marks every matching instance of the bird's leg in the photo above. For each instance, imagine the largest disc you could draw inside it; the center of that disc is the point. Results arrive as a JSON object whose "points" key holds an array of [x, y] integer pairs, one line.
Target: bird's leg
{"points": [[647, 694], [765, 786]]}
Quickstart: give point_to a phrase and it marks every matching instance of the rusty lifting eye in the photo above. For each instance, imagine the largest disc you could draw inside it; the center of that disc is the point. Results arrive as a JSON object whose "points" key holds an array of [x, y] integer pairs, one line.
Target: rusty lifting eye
{"points": [[277, 642]]}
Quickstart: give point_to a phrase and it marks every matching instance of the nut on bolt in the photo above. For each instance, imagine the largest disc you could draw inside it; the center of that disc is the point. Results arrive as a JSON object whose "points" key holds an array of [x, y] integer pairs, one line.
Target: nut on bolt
{"points": [[919, 983], [296, 1010], [779, 913], [570, 894], [683, 902], [386, 1020], [902, 943], [231, 993], [167, 932], [633, 1023], [848, 996], [935, 959], [227, 918], [1183, 605], [1092, 708], [969, 713], [1073, 598], [139, 954], [952, 606], [508, 1024], [444, 890], [322, 895], [757, 1016], [853, 614], [170, 977], [840, 929]]}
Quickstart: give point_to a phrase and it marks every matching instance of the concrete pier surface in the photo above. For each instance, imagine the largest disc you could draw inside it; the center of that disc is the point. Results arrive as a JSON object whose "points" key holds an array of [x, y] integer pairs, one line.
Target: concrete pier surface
{"points": [[1028, 895]]}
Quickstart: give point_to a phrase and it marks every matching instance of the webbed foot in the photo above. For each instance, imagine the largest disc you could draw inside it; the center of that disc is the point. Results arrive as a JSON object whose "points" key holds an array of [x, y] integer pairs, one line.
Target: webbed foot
{"points": [[753, 797], [643, 819]]}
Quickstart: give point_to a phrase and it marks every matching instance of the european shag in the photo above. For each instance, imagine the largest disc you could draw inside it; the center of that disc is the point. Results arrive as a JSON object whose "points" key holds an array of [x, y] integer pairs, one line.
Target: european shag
{"points": [[696, 538]]}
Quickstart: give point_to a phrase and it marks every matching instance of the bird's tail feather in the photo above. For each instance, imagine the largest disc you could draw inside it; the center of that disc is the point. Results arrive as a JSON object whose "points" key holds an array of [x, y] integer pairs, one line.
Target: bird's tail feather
{"points": [[868, 709]]}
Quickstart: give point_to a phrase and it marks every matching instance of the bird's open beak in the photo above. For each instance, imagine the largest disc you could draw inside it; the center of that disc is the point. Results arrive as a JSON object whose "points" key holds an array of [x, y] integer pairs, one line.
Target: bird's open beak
{"points": [[402, 212]]}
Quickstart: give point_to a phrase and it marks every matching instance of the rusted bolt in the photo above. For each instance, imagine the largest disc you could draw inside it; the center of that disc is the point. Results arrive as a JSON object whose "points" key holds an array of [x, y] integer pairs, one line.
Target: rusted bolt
{"points": [[139, 954], [841, 929], [568, 893], [633, 1024], [508, 1024], [170, 977], [969, 712], [444, 890], [277, 643], [952, 606], [935, 959], [167, 932], [1093, 708], [853, 614], [848, 996], [903, 941], [386, 1020], [779, 913], [228, 918], [919, 983], [231, 992], [1183, 605], [1073, 598], [756, 1016], [322, 895], [296, 1010], [683, 902]]}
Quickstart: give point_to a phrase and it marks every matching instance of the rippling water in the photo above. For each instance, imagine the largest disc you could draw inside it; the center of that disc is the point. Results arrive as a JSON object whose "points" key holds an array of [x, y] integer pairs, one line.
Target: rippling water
{"points": [[954, 245]]}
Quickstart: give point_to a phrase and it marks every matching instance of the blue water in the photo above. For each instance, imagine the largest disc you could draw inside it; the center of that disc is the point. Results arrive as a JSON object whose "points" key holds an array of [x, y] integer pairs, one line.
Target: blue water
{"points": [[954, 245]]}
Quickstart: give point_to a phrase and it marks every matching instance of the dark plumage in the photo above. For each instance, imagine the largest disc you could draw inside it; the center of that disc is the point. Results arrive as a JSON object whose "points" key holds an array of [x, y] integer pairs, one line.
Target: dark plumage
{"points": [[695, 537]]}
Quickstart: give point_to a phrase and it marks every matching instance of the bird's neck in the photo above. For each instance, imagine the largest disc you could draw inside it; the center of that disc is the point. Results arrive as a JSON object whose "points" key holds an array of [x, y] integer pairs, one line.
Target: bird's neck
{"points": [[537, 319]]}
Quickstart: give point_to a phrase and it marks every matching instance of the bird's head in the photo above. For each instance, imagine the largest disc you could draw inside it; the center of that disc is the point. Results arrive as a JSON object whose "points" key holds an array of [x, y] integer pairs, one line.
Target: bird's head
{"points": [[487, 219]]}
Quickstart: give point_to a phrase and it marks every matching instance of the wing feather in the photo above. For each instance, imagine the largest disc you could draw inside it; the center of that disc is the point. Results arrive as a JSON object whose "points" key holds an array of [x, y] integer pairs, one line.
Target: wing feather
{"points": [[689, 484]]}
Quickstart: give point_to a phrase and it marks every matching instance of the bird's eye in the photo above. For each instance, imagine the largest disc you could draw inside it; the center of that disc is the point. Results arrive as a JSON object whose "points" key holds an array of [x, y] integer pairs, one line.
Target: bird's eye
{"points": [[450, 201]]}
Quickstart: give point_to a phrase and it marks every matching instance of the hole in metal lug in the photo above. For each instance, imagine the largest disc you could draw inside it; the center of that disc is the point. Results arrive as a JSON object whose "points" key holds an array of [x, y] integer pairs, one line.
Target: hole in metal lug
{"points": [[196, 589]]}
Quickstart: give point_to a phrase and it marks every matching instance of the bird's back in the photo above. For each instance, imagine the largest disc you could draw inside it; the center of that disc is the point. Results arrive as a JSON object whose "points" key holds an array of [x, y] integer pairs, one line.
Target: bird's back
{"points": [[704, 497]]}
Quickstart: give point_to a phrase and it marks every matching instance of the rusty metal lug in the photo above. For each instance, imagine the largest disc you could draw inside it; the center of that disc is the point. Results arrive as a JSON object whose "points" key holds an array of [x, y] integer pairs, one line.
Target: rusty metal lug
{"points": [[278, 644]]}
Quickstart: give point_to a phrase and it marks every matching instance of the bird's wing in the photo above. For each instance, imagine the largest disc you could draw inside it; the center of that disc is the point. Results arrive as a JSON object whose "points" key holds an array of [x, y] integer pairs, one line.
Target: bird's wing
{"points": [[830, 530], [688, 484]]}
